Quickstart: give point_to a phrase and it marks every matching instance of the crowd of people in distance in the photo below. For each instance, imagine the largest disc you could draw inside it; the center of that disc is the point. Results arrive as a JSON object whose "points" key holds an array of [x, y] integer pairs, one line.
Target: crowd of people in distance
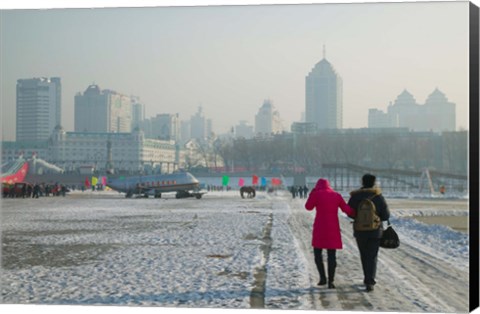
{"points": [[299, 191], [36, 190]]}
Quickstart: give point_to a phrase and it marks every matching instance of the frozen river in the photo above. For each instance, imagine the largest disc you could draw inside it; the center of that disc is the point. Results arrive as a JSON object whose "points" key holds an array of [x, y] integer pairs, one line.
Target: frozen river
{"points": [[98, 248]]}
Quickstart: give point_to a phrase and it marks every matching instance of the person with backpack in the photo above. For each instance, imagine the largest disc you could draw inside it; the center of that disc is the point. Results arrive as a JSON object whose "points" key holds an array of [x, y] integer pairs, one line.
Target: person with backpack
{"points": [[326, 228], [371, 209]]}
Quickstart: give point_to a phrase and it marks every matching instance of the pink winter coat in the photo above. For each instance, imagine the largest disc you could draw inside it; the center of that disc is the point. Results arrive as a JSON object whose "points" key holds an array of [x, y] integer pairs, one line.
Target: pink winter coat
{"points": [[326, 228]]}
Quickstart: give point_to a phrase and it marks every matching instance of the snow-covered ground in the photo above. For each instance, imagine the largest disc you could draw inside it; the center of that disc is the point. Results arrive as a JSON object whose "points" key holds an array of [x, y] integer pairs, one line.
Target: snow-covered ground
{"points": [[98, 248]]}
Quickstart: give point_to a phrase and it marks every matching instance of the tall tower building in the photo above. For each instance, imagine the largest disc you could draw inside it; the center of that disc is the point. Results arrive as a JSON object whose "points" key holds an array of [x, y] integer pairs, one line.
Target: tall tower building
{"points": [[38, 108], [440, 112], [200, 127], [138, 113], [324, 96], [102, 111]]}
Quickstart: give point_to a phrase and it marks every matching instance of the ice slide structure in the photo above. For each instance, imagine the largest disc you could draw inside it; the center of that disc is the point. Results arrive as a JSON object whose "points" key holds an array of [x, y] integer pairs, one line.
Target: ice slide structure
{"points": [[14, 171]]}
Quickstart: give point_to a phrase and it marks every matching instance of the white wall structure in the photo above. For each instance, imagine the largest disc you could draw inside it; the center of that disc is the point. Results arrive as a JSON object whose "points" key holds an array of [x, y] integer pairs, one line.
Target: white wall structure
{"points": [[38, 108], [131, 152], [324, 96], [99, 110]]}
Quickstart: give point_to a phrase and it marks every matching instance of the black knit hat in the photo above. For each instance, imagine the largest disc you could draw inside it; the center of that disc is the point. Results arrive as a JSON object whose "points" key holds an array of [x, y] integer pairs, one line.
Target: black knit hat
{"points": [[368, 180]]}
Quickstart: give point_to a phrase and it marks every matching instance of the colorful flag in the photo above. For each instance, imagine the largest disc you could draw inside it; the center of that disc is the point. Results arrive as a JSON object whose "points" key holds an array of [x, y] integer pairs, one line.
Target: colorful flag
{"points": [[264, 181], [276, 181], [87, 183], [254, 180], [241, 182], [94, 180], [225, 180], [104, 180]]}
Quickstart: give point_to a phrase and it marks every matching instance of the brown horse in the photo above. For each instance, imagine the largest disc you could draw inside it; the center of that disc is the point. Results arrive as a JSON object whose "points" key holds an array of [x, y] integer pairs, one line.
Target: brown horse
{"points": [[249, 190]]}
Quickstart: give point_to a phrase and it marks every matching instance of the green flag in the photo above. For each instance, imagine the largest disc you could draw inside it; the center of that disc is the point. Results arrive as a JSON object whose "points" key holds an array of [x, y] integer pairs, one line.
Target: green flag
{"points": [[225, 180]]}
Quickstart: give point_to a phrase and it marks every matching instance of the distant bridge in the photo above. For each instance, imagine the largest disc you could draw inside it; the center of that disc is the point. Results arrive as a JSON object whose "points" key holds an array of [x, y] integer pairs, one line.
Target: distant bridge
{"points": [[348, 176]]}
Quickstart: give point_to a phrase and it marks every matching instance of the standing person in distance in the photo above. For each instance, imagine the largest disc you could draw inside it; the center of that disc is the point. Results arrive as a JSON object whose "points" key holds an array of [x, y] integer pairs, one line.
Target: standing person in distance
{"points": [[368, 239], [326, 228]]}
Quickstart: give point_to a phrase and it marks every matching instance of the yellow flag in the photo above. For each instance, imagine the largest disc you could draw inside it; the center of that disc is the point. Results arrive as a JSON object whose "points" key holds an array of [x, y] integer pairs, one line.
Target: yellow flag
{"points": [[94, 180]]}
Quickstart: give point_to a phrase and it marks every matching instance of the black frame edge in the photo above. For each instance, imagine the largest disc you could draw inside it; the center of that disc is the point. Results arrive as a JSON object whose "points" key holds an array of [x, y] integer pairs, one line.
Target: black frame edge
{"points": [[474, 157]]}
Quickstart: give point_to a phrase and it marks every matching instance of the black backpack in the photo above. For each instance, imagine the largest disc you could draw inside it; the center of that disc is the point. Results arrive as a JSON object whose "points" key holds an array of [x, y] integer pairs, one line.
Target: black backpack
{"points": [[366, 218]]}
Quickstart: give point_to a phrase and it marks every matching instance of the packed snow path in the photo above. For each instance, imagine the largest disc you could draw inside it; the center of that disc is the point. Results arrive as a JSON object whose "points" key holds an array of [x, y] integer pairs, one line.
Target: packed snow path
{"points": [[220, 251], [408, 278]]}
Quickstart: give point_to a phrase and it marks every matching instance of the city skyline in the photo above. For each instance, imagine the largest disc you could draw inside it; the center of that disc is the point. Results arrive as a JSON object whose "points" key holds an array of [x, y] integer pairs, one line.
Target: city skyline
{"points": [[259, 52]]}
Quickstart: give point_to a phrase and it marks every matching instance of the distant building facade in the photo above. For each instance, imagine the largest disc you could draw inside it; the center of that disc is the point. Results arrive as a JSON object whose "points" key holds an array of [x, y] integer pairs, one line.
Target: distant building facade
{"points": [[304, 128], [184, 131], [165, 127], [267, 120], [379, 119], [324, 96], [200, 127], [242, 129], [38, 108], [437, 114], [102, 111], [138, 113], [130, 152]]}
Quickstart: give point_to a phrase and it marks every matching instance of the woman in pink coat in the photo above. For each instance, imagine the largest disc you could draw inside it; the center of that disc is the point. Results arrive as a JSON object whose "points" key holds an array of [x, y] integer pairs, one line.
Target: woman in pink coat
{"points": [[326, 228]]}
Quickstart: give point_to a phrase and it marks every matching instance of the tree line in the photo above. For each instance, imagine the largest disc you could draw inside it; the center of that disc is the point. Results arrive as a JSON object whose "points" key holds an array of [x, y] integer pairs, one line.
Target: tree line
{"points": [[292, 153]]}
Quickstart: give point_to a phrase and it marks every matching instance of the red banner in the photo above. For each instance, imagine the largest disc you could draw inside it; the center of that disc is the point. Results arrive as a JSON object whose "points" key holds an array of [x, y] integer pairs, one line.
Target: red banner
{"points": [[276, 181], [254, 180]]}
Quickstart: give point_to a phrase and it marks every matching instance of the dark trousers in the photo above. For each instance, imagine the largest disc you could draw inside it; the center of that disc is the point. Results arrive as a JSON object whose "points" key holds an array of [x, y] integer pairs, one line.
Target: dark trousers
{"points": [[332, 263], [368, 248]]}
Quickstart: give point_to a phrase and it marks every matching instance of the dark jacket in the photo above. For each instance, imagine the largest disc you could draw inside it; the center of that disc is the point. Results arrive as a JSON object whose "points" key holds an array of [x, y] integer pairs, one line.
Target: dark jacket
{"points": [[380, 204]]}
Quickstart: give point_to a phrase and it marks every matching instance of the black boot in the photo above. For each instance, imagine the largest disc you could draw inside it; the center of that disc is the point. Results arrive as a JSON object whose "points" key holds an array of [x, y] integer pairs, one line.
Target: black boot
{"points": [[332, 264], [321, 272], [320, 267]]}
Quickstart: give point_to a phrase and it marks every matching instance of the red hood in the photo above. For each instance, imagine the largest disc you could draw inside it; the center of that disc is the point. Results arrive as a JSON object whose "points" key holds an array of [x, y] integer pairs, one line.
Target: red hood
{"points": [[323, 184]]}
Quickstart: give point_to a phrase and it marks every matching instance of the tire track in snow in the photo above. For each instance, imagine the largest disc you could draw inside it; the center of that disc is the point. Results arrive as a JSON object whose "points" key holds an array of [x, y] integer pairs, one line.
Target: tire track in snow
{"points": [[257, 296]]}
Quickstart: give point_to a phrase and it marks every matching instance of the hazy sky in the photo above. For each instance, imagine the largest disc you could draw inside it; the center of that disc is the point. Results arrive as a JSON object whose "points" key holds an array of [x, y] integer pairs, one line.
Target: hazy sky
{"points": [[229, 59]]}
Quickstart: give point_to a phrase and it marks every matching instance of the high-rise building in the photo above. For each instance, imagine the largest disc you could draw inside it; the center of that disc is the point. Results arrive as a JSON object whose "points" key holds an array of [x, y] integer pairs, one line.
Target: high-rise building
{"points": [[440, 112], [437, 114], [324, 96], [200, 127], [102, 111], [38, 108], [267, 120], [185, 131], [138, 113], [165, 127]]}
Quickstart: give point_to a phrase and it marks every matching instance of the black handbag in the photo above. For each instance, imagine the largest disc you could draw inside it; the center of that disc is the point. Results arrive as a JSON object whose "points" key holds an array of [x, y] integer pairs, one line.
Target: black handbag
{"points": [[389, 238]]}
